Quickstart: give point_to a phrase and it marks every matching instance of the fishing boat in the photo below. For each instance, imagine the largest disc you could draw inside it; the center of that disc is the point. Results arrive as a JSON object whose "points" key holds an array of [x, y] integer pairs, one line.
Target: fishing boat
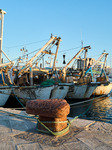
{"points": [[83, 87], [37, 82], [105, 85]]}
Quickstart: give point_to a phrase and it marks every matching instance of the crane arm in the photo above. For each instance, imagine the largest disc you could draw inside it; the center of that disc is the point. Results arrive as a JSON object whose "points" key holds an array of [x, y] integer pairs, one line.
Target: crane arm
{"points": [[98, 60], [83, 48], [42, 49], [6, 64], [105, 60]]}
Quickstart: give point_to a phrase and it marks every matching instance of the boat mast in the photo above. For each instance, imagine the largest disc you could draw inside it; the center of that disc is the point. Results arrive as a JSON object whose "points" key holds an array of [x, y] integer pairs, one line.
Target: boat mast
{"points": [[106, 54], [58, 43], [84, 67], [1, 32]]}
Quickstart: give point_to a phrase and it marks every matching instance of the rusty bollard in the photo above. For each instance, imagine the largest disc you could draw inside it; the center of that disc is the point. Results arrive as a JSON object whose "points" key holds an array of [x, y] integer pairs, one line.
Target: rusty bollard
{"points": [[52, 113]]}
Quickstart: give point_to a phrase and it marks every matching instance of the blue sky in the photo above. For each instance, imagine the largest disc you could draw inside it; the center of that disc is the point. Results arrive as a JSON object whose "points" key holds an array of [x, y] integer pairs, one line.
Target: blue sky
{"points": [[29, 24]]}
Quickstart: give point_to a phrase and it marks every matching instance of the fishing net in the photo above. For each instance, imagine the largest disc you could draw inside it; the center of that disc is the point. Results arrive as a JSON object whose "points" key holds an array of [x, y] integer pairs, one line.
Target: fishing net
{"points": [[49, 82]]}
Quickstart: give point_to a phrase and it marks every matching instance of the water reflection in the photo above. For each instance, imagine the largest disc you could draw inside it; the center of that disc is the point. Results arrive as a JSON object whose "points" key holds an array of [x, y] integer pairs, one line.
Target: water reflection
{"points": [[99, 109]]}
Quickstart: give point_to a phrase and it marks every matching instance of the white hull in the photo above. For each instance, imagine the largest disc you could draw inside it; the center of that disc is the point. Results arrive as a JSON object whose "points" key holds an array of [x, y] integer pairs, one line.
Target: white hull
{"points": [[4, 95], [60, 91], [103, 89], [91, 87], [77, 91], [82, 91], [30, 93]]}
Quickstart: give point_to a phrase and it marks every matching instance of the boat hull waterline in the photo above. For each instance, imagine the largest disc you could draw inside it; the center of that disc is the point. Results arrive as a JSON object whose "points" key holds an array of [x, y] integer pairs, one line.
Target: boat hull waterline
{"points": [[30, 93], [4, 95], [103, 89], [81, 91]]}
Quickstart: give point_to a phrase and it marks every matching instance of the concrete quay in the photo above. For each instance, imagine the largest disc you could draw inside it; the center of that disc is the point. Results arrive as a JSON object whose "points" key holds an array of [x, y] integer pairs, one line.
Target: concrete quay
{"points": [[19, 133]]}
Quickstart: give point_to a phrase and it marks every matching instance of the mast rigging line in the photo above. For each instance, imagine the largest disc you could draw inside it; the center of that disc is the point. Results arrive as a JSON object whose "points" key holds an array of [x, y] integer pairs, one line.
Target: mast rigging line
{"points": [[27, 54], [26, 44], [40, 48], [70, 49]]}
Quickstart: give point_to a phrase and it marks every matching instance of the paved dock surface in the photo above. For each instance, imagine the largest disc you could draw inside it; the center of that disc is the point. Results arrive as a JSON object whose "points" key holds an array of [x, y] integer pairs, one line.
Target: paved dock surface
{"points": [[19, 133]]}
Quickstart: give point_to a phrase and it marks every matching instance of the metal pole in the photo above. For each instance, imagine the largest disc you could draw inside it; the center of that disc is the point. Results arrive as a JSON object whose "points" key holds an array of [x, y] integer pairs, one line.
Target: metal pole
{"points": [[105, 60], [85, 56], [31, 75], [54, 65], [1, 33]]}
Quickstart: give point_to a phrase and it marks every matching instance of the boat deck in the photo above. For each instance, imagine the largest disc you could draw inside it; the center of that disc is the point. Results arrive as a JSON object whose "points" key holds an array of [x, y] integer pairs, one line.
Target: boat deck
{"points": [[18, 133]]}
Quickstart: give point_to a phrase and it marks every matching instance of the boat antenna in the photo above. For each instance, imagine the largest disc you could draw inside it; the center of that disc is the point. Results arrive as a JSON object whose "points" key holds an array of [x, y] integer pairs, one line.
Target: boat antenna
{"points": [[82, 43], [81, 40]]}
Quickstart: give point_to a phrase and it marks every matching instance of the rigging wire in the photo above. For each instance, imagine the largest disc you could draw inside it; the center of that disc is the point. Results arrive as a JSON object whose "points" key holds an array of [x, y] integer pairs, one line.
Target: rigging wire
{"points": [[26, 44], [58, 52], [26, 54], [40, 48], [70, 49]]}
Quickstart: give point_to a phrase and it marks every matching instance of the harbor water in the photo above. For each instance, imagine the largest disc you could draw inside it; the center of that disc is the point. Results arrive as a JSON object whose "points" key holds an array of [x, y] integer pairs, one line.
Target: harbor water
{"points": [[99, 109]]}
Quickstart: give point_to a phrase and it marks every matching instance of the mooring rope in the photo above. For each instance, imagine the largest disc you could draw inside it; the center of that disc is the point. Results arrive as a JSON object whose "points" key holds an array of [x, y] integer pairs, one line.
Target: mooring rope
{"points": [[73, 104], [17, 98]]}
